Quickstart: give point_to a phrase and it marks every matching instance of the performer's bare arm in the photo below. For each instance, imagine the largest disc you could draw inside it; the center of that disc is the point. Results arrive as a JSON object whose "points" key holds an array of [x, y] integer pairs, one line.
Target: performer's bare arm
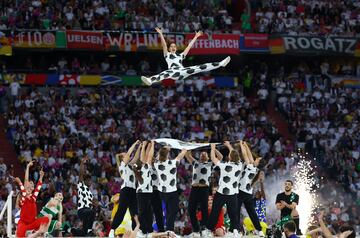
{"points": [[192, 42], [27, 171], [136, 156], [189, 157], [150, 154], [213, 156], [126, 158], [181, 155], [163, 42], [143, 152]]}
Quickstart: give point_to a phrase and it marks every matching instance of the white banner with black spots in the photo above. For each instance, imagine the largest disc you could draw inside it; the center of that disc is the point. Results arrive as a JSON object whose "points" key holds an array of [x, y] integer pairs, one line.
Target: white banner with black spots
{"points": [[180, 145]]}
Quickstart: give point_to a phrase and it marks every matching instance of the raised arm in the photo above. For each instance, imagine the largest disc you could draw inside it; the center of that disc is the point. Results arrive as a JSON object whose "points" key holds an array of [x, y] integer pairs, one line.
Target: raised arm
{"points": [[136, 156], [22, 191], [261, 180], [38, 185], [150, 154], [163, 42], [218, 155], [249, 154], [213, 157], [197, 35], [27, 171], [144, 151], [189, 157], [181, 155], [126, 158], [244, 152], [82, 169], [326, 232]]}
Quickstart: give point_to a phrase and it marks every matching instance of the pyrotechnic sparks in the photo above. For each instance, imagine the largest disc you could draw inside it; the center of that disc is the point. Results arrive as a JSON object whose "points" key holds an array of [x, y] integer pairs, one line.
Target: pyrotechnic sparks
{"points": [[305, 185]]}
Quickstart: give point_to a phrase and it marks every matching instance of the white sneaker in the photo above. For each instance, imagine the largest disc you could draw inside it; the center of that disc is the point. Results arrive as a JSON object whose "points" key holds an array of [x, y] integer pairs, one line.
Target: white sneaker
{"points": [[225, 61], [146, 80], [140, 234], [261, 234], [207, 233], [236, 234], [195, 235], [112, 233]]}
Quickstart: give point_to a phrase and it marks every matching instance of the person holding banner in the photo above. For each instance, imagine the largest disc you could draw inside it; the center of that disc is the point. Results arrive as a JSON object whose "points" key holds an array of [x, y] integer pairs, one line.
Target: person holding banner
{"points": [[199, 193], [249, 175], [167, 172], [227, 191], [128, 188], [145, 189], [176, 70]]}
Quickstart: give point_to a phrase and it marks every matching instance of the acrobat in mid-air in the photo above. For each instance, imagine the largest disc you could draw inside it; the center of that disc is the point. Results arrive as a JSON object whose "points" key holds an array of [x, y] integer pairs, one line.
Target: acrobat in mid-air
{"points": [[174, 60]]}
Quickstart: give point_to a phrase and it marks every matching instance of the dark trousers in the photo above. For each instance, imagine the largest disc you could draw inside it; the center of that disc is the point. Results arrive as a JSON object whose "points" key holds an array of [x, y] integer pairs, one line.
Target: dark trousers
{"points": [[231, 205], [87, 216], [145, 212], [127, 200], [248, 200], [171, 201], [157, 209], [199, 196]]}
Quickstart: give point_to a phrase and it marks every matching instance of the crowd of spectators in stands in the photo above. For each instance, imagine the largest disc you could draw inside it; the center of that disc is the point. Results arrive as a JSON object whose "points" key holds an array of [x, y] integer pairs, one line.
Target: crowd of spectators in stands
{"points": [[58, 126], [305, 17], [292, 17]]}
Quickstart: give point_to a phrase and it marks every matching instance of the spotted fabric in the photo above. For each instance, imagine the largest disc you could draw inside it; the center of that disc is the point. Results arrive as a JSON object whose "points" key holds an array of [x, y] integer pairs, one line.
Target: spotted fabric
{"points": [[167, 172], [247, 176], [174, 60], [154, 179], [201, 173], [85, 197], [145, 185], [127, 175], [229, 177], [179, 73]]}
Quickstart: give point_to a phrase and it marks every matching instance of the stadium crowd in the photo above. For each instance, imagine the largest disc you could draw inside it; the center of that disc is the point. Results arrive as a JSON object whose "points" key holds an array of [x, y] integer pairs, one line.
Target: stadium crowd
{"points": [[305, 17], [58, 126], [293, 17]]}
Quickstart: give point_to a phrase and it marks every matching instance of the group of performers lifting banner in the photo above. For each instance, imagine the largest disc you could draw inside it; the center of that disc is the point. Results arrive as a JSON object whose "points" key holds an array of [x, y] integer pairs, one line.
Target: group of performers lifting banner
{"points": [[150, 180]]}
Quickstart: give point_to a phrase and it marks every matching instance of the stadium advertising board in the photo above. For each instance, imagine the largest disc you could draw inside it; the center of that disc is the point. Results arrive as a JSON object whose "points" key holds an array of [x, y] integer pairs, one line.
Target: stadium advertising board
{"points": [[313, 45], [254, 43], [215, 44], [84, 40], [136, 41], [33, 39]]}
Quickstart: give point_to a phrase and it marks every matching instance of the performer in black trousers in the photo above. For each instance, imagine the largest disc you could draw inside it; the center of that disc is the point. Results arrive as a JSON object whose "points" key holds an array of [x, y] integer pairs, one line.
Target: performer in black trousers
{"points": [[128, 188], [227, 190], [167, 171], [245, 195], [199, 194]]}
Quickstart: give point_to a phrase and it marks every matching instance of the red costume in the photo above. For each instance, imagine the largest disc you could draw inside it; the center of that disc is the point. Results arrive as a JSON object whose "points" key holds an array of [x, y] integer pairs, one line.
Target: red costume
{"points": [[220, 223], [28, 220]]}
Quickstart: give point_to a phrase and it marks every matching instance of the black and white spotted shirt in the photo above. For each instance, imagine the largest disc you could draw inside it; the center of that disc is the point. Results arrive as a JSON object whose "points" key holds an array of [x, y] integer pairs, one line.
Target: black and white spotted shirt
{"points": [[145, 186], [201, 173], [167, 172], [154, 179], [174, 60], [229, 177], [85, 197], [127, 175], [247, 175]]}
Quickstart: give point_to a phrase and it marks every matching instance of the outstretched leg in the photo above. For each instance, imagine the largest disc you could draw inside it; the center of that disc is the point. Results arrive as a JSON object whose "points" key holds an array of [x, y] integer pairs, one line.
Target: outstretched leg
{"points": [[178, 73]]}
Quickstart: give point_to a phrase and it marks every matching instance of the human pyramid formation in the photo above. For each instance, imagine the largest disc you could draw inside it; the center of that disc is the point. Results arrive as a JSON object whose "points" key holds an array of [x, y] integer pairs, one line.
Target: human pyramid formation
{"points": [[149, 180]]}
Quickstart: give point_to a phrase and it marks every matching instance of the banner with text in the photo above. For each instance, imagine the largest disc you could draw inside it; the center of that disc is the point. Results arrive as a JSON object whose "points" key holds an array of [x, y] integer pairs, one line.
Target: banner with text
{"points": [[84, 40], [34, 39], [226, 44], [137, 41], [313, 45]]}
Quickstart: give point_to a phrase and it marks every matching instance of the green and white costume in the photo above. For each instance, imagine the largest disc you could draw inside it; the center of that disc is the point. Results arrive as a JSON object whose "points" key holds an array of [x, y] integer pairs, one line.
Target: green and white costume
{"points": [[53, 211]]}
